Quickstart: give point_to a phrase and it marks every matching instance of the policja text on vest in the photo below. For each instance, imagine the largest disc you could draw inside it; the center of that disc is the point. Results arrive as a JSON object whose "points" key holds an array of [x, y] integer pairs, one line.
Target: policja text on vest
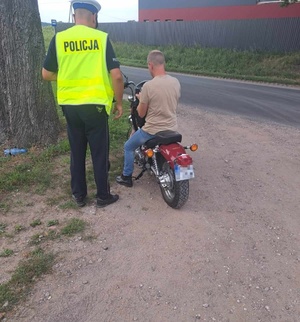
{"points": [[81, 45]]}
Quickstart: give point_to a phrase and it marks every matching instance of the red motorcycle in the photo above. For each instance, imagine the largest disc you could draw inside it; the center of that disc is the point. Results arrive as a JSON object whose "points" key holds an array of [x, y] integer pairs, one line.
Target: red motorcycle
{"points": [[162, 155]]}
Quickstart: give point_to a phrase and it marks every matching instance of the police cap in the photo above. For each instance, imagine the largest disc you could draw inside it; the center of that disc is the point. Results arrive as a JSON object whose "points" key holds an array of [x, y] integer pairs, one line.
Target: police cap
{"points": [[91, 5]]}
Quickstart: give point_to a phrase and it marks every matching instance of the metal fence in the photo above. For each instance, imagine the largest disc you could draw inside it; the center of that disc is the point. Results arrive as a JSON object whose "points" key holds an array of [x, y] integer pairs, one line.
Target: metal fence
{"points": [[276, 35]]}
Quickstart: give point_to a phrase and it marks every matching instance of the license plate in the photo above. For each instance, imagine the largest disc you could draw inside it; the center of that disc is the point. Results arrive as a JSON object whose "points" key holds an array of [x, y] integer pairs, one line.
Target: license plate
{"points": [[184, 173]]}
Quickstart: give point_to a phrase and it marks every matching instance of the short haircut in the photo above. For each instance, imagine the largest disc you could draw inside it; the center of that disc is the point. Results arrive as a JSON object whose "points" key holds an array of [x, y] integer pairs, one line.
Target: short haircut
{"points": [[83, 13], [156, 57]]}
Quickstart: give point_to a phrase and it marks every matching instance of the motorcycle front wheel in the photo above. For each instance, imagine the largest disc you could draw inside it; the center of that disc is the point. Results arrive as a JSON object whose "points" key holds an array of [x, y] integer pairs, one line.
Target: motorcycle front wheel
{"points": [[175, 193]]}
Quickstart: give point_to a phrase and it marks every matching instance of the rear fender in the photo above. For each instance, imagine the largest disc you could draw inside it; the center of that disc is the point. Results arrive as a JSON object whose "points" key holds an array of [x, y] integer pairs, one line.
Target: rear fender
{"points": [[175, 153]]}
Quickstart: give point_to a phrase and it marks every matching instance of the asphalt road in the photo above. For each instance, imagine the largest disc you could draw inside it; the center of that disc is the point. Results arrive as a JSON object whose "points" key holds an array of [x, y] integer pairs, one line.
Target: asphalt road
{"points": [[279, 104]]}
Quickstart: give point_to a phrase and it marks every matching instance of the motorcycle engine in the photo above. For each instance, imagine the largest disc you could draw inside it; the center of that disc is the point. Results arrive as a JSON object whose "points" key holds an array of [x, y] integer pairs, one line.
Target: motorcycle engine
{"points": [[139, 157]]}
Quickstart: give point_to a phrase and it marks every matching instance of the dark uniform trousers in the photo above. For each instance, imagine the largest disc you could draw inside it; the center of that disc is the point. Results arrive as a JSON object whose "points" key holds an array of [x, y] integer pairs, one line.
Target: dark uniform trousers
{"points": [[88, 124]]}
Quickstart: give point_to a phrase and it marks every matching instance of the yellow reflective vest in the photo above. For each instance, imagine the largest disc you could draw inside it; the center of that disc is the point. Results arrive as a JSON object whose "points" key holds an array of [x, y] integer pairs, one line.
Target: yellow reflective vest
{"points": [[82, 72]]}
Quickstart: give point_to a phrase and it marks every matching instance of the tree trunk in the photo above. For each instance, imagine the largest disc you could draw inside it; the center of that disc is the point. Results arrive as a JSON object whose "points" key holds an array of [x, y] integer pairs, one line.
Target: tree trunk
{"points": [[28, 113]]}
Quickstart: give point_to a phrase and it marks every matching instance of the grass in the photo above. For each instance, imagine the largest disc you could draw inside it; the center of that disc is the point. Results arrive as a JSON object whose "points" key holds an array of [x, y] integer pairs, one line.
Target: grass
{"points": [[6, 252], [74, 226], [53, 222], [37, 263], [38, 239], [36, 222], [2, 228], [48, 33], [32, 168], [19, 228], [13, 291], [247, 65]]}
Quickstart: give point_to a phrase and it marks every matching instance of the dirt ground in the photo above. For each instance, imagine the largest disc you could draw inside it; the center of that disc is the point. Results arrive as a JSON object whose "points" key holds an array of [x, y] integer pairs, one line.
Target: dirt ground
{"points": [[230, 254]]}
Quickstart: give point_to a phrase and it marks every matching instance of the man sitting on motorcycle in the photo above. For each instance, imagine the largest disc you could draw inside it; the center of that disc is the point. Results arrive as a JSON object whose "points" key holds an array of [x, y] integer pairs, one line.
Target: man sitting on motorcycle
{"points": [[158, 102]]}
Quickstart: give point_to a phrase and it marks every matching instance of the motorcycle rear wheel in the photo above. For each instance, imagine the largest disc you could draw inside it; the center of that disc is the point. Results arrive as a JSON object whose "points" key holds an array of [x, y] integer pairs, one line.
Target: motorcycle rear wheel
{"points": [[175, 193]]}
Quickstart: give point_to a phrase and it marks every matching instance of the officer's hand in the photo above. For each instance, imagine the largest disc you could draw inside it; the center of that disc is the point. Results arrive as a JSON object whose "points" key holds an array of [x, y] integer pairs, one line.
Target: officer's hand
{"points": [[118, 111]]}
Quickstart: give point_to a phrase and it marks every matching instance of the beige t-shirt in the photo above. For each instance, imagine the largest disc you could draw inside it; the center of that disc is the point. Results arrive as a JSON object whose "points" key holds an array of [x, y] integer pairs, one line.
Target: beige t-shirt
{"points": [[161, 94]]}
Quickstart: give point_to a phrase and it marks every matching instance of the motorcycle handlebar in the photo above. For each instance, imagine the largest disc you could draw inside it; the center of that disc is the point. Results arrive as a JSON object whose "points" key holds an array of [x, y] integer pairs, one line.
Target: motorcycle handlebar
{"points": [[134, 88], [128, 83]]}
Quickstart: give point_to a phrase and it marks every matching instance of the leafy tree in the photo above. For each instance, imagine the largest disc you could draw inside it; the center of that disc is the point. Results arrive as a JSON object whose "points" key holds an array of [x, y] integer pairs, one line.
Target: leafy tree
{"points": [[28, 113]]}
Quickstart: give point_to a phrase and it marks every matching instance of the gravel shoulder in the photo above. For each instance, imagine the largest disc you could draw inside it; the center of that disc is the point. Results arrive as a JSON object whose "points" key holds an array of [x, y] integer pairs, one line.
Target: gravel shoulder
{"points": [[230, 254]]}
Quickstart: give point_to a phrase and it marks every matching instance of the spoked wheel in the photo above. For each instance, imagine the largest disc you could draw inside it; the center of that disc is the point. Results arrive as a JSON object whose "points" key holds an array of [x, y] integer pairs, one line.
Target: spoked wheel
{"points": [[175, 193]]}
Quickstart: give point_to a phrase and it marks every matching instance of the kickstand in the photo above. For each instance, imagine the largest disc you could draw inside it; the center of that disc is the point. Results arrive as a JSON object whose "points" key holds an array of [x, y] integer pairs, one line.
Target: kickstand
{"points": [[140, 175]]}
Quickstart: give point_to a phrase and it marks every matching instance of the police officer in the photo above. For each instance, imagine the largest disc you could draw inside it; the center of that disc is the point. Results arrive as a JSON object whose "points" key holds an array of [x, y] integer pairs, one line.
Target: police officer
{"points": [[82, 61]]}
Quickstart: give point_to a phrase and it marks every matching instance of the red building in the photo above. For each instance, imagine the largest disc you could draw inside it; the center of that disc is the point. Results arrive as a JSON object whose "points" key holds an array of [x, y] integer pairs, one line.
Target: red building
{"points": [[187, 10]]}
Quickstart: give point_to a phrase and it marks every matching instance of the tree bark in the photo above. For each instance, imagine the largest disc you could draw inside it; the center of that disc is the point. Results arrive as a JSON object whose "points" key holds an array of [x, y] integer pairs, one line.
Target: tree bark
{"points": [[28, 113]]}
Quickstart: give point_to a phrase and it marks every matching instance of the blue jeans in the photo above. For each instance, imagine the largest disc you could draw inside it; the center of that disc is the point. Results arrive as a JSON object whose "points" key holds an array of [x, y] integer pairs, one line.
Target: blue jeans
{"points": [[137, 139]]}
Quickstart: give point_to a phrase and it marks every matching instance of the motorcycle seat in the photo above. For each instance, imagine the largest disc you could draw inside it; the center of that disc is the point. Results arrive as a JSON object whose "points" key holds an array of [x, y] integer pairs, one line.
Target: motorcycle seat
{"points": [[164, 137]]}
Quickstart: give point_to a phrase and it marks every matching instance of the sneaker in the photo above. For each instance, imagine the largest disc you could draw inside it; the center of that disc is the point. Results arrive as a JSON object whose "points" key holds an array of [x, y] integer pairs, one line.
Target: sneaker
{"points": [[125, 180], [105, 202], [80, 201]]}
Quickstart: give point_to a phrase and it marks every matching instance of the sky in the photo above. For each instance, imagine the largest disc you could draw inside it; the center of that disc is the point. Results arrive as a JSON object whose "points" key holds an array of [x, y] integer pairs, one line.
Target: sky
{"points": [[111, 11]]}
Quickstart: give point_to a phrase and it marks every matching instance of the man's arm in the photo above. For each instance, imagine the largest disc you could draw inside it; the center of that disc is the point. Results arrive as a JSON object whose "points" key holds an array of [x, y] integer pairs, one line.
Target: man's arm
{"points": [[49, 76], [113, 66], [144, 102], [50, 68], [142, 109], [118, 87]]}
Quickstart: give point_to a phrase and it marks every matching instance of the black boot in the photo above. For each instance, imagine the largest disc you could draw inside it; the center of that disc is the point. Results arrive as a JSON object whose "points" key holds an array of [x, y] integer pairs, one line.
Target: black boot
{"points": [[80, 201], [107, 201], [124, 180]]}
